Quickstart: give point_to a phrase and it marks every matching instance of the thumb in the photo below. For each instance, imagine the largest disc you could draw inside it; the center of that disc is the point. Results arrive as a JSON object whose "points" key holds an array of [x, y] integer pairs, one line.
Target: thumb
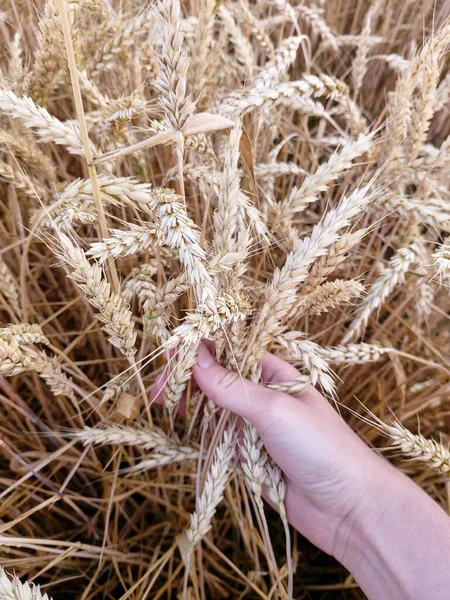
{"points": [[229, 390]]}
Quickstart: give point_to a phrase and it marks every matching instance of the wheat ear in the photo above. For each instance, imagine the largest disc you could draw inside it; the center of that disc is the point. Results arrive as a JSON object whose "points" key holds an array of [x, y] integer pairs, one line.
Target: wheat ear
{"points": [[281, 291], [213, 490], [354, 354], [47, 127], [392, 275], [418, 447], [310, 356], [8, 288], [11, 588], [117, 319], [327, 296]]}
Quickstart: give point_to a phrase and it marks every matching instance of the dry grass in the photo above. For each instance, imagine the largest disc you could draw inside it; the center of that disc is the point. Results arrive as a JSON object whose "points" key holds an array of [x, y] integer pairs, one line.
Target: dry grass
{"points": [[270, 175]]}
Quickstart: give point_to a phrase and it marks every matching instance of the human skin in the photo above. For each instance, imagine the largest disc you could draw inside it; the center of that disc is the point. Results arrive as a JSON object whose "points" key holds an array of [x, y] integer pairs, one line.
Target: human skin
{"points": [[341, 495]]}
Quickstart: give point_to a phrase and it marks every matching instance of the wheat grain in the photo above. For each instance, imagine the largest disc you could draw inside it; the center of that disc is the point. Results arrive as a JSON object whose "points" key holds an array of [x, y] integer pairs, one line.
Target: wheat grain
{"points": [[278, 169], [13, 360], [277, 67], [21, 181], [336, 255], [122, 35], [179, 376], [427, 64], [15, 65], [292, 387], [225, 217], [241, 46], [359, 64], [49, 57], [257, 96], [318, 182], [256, 30], [29, 154], [256, 241], [173, 65], [397, 62], [122, 435]]}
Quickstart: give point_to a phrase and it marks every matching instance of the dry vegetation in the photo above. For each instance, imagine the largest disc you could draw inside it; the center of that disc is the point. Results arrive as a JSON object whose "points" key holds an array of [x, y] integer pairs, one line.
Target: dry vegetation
{"points": [[270, 175]]}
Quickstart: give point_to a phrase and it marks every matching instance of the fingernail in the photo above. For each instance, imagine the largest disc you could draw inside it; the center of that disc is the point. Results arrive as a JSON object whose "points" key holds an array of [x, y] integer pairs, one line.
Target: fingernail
{"points": [[204, 357]]}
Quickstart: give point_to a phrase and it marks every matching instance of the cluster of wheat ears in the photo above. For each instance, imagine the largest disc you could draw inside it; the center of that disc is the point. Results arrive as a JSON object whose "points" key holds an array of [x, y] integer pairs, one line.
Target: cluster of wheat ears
{"points": [[270, 175]]}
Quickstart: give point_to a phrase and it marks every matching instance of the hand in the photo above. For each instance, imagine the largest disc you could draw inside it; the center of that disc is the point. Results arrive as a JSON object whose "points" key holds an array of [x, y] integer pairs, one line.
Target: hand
{"points": [[342, 496], [328, 470]]}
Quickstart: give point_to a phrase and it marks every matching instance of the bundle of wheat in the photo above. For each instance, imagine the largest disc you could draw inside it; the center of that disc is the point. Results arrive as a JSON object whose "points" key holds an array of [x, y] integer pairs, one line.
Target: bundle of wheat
{"points": [[269, 175]]}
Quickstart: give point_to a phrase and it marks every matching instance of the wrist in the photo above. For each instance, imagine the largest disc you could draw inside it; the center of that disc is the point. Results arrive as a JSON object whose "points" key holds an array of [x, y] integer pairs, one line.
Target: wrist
{"points": [[395, 539], [355, 531]]}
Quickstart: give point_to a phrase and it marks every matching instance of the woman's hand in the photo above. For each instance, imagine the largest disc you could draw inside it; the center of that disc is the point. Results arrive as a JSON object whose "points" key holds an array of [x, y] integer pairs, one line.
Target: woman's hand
{"points": [[342, 496], [328, 469]]}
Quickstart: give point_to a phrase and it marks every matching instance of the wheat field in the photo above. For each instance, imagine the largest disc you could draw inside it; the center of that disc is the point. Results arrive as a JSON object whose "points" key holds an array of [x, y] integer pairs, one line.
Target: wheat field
{"points": [[272, 176]]}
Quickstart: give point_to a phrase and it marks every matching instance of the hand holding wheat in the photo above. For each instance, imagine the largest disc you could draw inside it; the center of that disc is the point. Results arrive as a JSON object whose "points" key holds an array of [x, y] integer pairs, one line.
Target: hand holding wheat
{"points": [[339, 494]]}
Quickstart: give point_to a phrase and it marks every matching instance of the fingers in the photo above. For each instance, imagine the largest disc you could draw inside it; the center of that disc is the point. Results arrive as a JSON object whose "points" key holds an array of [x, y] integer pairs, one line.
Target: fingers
{"points": [[157, 389], [230, 391], [276, 370]]}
